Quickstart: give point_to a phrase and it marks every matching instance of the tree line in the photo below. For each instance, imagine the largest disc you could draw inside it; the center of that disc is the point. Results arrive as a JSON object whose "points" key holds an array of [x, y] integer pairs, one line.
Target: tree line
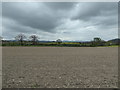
{"points": [[20, 39], [33, 38]]}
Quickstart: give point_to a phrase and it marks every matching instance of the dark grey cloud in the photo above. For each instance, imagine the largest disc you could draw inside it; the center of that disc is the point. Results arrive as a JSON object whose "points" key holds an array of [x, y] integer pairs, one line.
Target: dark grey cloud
{"points": [[34, 19], [61, 5], [65, 20], [103, 15], [90, 10], [43, 19]]}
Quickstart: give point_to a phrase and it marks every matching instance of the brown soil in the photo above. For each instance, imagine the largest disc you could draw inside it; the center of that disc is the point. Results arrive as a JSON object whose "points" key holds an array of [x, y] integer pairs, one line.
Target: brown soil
{"points": [[60, 67]]}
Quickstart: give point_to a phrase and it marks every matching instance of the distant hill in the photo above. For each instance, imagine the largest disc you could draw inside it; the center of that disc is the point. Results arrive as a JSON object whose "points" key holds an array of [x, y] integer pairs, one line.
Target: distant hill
{"points": [[115, 41]]}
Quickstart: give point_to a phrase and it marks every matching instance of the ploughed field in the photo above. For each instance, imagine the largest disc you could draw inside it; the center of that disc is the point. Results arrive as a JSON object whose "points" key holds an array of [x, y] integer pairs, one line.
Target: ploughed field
{"points": [[60, 67]]}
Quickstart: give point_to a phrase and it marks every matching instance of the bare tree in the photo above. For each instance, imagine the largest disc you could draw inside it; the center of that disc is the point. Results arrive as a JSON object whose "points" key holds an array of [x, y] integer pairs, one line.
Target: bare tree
{"points": [[34, 39], [59, 41], [20, 38]]}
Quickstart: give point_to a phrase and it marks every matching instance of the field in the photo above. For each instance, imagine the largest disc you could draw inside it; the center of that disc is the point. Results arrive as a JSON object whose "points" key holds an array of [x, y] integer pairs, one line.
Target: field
{"points": [[60, 67]]}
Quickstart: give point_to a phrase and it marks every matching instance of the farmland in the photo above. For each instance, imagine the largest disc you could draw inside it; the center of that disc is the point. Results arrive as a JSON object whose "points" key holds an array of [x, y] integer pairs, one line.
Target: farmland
{"points": [[60, 67]]}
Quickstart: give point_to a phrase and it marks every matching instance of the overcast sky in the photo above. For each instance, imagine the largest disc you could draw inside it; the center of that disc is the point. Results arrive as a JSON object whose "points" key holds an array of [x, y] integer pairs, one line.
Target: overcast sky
{"points": [[64, 20]]}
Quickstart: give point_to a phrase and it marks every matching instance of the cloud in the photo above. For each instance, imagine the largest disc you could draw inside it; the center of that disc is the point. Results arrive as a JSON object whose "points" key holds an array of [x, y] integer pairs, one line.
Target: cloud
{"points": [[0, 25], [66, 20], [87, 11], [28, 15], [43, 16], [60, 5]]}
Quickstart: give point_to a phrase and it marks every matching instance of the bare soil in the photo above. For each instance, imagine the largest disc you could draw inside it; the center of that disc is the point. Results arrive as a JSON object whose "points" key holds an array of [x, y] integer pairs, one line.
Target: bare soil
{"points": [[60, 67]]}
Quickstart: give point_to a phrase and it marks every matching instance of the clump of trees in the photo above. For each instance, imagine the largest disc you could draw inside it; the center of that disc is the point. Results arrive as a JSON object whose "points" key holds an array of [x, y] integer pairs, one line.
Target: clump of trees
{"points": [[98, 42], [59, 41]]}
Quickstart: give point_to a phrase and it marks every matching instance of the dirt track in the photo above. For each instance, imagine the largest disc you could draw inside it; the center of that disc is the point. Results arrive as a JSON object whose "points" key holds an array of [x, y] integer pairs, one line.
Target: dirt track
{"points": [[60, 67]]}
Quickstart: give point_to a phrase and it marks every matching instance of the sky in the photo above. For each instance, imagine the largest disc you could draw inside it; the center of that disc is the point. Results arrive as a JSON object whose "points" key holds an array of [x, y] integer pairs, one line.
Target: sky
{"points": [[60, 20]]}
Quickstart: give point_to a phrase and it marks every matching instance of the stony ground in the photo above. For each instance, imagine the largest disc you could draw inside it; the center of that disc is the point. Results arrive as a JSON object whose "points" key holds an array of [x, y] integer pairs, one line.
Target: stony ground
{"points": [[60, 67]]}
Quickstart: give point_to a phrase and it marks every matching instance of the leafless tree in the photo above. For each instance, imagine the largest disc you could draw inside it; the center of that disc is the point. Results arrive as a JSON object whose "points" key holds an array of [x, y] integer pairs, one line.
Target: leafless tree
{"points": [[20, 37], [34, 39]]}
